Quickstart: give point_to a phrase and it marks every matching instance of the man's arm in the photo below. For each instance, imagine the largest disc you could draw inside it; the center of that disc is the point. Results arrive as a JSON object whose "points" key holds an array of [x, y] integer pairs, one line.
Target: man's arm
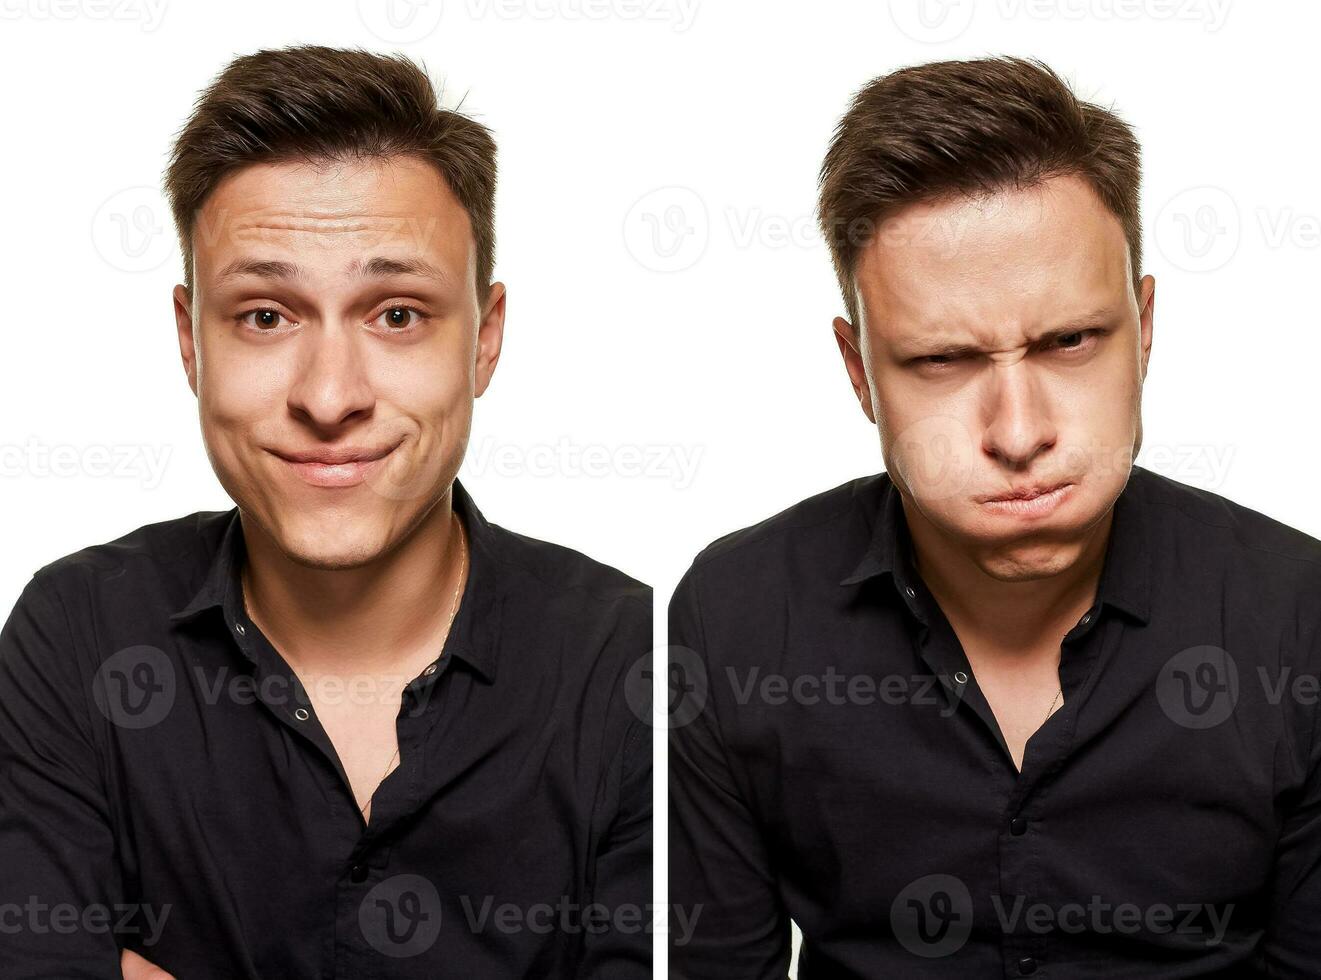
{"points": [[726, 917], [623, 872], [59, 884], [1292, 944]]}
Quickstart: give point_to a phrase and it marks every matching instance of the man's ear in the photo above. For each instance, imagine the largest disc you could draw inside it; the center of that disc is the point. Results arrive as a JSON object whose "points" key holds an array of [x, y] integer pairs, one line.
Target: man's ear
{"points": [[490, 335], [1146, 317], [183, 321], [849, 338]]}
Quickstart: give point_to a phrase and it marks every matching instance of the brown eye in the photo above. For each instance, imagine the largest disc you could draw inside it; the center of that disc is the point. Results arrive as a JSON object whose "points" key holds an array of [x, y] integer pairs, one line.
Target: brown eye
{"points": [[263, 320], [1070, 339], [401, 318]]}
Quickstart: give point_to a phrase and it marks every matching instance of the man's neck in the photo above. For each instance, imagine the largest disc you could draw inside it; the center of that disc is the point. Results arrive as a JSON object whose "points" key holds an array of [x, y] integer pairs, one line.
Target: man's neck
{"points": [[373, 618], [1007, 616]]}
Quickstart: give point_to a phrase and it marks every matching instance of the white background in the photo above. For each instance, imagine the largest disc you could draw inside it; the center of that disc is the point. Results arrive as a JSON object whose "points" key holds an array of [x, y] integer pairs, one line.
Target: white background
{"points": [[669, 296]]}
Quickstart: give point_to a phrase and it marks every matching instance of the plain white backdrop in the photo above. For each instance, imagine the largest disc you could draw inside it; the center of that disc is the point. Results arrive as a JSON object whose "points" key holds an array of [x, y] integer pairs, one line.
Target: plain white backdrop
{"points": [[668, 372]]}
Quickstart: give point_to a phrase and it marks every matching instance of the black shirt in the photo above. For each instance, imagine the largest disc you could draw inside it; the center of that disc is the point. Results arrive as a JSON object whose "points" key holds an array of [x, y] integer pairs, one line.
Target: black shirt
{"points": [[165, 784], [833, 762]]}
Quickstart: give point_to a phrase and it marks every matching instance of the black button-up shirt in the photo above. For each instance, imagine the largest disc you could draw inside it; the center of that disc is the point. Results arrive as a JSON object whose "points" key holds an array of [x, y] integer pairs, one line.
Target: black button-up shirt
{"points": [[833, 761], [165, 784]]}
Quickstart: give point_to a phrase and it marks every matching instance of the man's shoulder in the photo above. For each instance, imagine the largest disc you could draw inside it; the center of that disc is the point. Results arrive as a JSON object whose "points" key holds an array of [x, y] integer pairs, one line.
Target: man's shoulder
{"points": [[1239, 532], [825, 524], [558, 572], [161, 547]]}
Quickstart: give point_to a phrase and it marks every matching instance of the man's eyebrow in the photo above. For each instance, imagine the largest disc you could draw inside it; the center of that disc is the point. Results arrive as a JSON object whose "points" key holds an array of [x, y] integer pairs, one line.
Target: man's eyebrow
{"points": [[941, 348], [380, 266], [261, 269], [374, 268]]}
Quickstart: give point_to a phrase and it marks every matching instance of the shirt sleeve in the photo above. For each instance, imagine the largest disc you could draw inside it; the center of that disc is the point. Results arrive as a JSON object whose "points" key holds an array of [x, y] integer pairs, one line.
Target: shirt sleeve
{"points": [[622, 886], [59, 888], [1292, 943], [726, 916]]}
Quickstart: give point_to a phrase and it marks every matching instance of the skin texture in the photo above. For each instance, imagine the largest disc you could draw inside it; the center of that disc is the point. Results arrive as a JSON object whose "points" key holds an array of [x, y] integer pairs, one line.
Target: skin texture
{"points": [[349, 583], [971, 396]]}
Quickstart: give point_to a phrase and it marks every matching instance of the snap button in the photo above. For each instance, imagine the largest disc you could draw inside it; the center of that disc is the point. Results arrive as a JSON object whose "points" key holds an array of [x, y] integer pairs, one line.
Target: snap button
{"points": [[1086, 619], [301, 714], [960, 677], [909, 589], [358, 873], [1018, 826], [241, 631], [1027, 965], [430, 669]]}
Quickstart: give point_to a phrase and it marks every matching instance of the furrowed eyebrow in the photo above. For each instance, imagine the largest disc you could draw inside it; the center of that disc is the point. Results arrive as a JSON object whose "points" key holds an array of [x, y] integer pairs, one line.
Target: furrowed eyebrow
{"points": [[1088, 321], [374, 268]]}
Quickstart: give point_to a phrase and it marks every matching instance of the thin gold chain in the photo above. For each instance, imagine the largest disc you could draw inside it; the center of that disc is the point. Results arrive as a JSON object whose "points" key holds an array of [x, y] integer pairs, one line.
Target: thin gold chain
{"points": [[454, 608]]}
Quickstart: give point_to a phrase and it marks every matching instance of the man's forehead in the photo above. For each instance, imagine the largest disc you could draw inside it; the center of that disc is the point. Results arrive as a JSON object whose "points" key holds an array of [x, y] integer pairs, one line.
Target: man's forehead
{"points": [[283, 214]]}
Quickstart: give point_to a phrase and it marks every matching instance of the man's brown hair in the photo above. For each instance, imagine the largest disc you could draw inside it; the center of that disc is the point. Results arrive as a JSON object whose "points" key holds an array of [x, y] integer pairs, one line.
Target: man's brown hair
{"points": [[321, 104], [953, 128]]}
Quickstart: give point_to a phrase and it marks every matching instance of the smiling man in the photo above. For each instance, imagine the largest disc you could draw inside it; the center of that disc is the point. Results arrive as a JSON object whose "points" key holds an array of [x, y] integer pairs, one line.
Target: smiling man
{"points": [[1013, 706], [350, 727]]}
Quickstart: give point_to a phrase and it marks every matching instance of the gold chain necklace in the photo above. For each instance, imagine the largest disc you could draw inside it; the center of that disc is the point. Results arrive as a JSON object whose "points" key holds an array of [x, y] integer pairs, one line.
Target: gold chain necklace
{"points": [[454, 608]]}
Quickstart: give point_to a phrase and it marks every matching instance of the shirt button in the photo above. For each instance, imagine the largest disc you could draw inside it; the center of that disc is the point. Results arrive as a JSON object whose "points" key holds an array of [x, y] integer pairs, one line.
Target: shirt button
{"points": [[960, 677], [1018, 826], [358, 874], [1026, 966], [300, 714], [240, 629], [430, 669]]}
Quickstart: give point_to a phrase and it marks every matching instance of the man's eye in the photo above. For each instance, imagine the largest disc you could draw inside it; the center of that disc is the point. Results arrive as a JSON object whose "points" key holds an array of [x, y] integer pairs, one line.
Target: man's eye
{"points": [[398, 318], [1078, 340], [261, 319]]}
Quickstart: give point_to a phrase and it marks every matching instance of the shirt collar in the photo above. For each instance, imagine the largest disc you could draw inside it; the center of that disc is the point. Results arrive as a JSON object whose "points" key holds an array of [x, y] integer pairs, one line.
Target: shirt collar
{"points": [[1125, 582], [476, 624]]}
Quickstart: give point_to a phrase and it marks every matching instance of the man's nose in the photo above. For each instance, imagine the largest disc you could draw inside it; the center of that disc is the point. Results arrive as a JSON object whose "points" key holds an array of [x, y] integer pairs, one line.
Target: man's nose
{"points": [[332, 383], [1019, 424]]}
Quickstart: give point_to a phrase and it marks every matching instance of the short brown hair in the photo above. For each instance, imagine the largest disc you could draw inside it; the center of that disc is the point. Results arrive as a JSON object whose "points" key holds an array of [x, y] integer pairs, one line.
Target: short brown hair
{"points": [[317, 104], [952, 128]]}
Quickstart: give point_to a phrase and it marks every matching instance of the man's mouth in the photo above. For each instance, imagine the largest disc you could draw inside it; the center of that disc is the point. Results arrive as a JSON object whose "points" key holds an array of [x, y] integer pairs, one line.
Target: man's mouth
{"points": [[335, 467], [1033, 500]]}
